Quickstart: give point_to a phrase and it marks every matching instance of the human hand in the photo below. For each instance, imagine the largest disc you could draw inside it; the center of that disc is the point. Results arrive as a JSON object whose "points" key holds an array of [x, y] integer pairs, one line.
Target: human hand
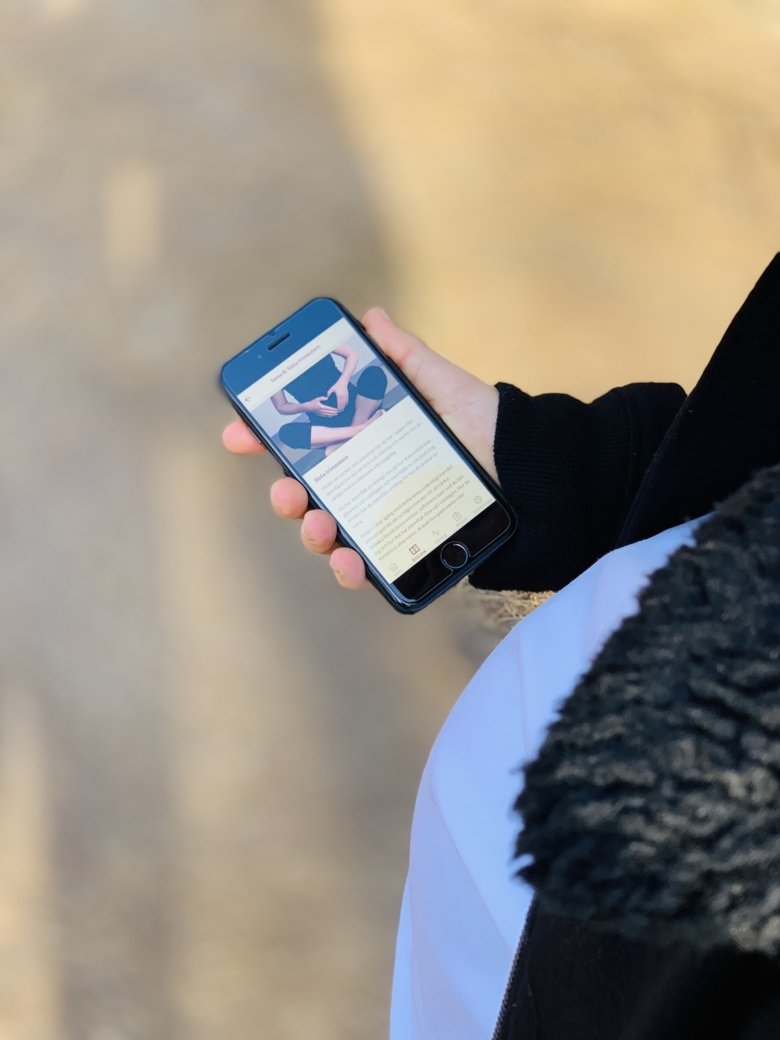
{"points": [[466, 404], [340, 389], [318, 407]]}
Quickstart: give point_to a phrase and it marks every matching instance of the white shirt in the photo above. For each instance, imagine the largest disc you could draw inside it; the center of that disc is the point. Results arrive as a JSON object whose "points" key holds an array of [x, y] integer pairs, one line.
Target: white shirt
{"points": [[463, 910]]}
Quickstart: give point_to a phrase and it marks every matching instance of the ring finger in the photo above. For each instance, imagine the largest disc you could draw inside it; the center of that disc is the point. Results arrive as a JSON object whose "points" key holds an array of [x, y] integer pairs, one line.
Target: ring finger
{"points": [[318, 531]]}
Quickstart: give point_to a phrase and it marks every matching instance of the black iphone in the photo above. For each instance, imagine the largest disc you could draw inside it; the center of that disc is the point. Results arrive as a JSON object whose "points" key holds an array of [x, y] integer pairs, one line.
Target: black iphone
{"points": [[341, 418]]}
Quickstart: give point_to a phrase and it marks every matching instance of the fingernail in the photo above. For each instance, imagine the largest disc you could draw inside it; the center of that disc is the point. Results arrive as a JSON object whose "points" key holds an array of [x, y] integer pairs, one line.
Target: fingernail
{"points": [[384, 314]]}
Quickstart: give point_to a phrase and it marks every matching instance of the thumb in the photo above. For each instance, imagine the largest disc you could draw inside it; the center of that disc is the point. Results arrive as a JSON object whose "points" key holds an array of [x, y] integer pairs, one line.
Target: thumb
{"points": [[468, 405], [423, 367]]}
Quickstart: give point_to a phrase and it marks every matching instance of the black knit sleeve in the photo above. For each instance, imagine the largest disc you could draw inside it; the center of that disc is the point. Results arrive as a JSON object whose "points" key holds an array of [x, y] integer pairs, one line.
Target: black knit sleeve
{"points": [[571, 471]]}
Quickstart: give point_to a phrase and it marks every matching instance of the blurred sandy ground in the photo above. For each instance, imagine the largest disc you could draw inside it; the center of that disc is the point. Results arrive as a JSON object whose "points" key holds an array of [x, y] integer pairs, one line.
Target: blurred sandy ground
{"points": [[208, 755]]}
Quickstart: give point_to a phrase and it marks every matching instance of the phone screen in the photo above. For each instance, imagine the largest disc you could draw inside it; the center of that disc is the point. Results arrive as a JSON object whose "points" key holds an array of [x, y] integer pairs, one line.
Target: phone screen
{"points": [[372, 456]]}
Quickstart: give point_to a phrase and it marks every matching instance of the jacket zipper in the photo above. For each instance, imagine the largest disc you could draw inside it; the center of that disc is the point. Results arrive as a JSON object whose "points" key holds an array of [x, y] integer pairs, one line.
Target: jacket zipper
{"points": [[503, 1012]]}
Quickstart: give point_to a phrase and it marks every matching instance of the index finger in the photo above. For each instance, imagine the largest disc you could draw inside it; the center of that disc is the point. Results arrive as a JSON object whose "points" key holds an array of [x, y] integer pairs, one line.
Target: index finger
{"points": [[238, 438]]}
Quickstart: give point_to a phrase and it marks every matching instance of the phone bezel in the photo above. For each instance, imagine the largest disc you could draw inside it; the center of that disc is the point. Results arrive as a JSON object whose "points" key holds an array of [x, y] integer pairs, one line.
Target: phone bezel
{"points": [[294, 332]]}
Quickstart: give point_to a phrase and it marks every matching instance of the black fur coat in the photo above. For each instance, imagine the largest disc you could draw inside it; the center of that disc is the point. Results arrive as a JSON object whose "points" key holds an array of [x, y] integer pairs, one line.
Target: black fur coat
{"points": [[651, 816], [653, 808], [652, 813]]}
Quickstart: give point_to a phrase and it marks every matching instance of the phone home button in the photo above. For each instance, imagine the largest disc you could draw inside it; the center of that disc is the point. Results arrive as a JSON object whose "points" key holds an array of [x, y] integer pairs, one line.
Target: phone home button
{"points": [[454, 555]]}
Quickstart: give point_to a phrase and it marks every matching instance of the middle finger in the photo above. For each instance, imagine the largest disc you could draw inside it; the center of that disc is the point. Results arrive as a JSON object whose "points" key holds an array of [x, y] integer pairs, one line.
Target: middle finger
{"points": [[289, 498]]}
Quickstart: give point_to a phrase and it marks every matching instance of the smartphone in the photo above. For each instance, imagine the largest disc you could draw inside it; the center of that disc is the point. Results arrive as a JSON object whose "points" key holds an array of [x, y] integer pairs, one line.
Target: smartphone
{"points": [[340, 417]]}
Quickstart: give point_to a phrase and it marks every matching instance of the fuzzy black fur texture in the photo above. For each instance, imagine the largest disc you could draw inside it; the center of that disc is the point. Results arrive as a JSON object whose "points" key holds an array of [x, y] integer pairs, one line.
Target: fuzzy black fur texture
{"points": [[653, 808]]}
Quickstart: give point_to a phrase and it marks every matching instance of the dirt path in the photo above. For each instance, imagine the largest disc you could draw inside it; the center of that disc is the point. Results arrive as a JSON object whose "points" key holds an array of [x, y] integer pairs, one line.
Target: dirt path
{"points": [[208, 757]]}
